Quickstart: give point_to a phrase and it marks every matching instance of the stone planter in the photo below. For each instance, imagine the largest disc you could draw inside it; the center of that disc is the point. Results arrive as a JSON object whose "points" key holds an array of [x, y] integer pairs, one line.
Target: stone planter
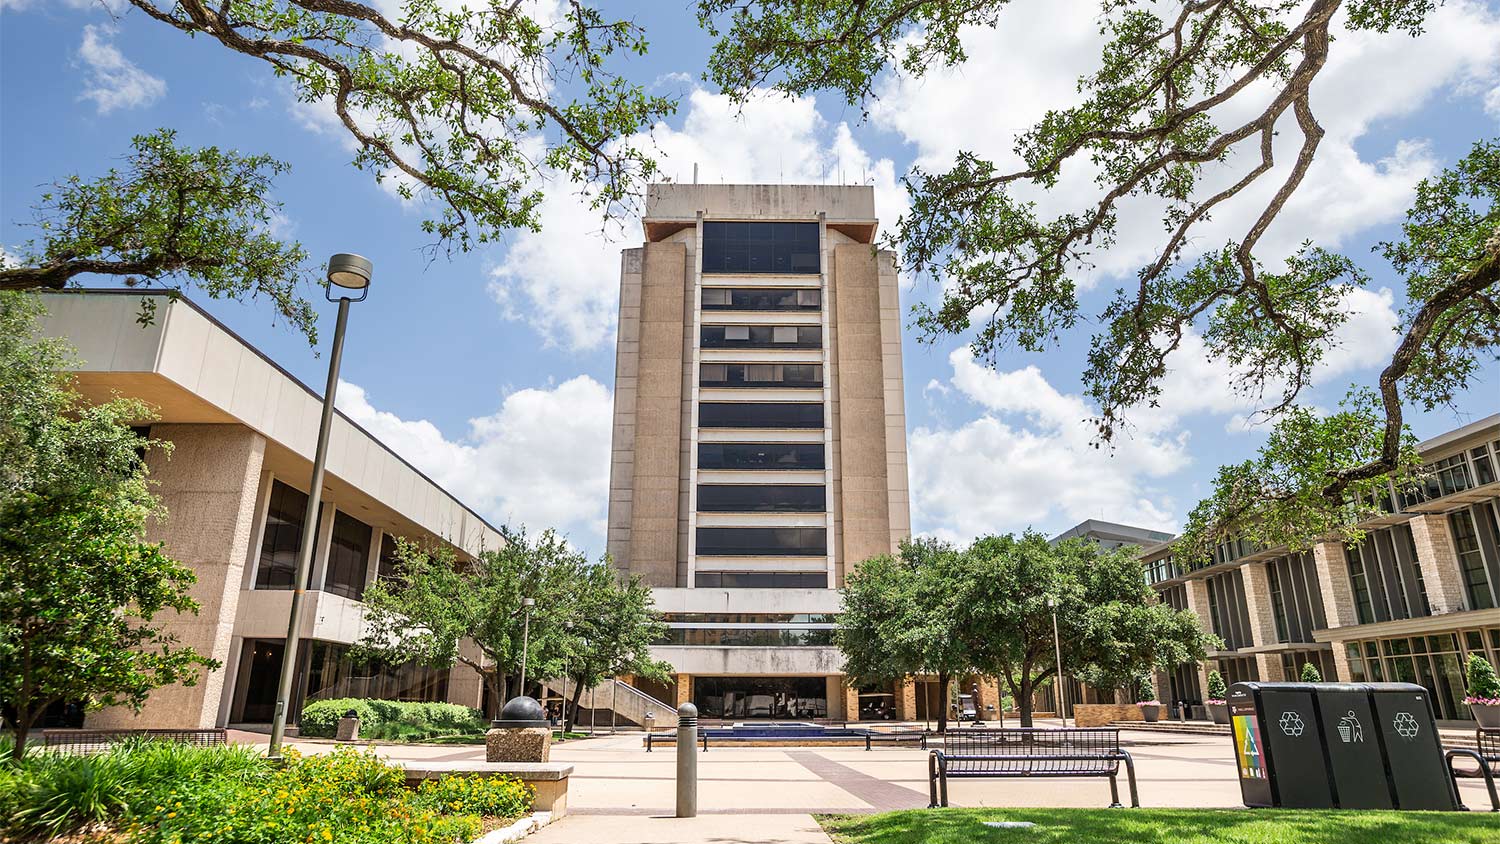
{"points": [[348, 728], [1487, 715], [1151, 712], [1219, 712]]}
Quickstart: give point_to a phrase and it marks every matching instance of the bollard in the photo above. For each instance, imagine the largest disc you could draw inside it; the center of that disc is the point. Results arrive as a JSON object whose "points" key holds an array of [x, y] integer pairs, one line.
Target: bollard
{"points": [[687, 761]]}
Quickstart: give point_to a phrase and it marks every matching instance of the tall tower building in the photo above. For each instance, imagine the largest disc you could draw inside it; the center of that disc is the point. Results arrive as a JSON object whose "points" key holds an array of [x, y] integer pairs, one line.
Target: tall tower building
{"points": [[759, 437]]}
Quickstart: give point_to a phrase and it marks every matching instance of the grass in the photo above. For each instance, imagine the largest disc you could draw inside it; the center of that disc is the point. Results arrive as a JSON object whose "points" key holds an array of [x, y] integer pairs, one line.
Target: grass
{"points": [[1164, 826]]}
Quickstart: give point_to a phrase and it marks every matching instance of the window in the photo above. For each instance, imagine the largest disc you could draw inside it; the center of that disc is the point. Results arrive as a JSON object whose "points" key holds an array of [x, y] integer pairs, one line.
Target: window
{"points": [[760, 415], [760, 375], [283, 538], [761, 337], [1467, 525], [751, 636], [761, 580], [760, 248], [1358, 582], [761, 299], [762, 541], [1278, 603], [760, 498], [760, 455], [348, 557], [1484, 470]]}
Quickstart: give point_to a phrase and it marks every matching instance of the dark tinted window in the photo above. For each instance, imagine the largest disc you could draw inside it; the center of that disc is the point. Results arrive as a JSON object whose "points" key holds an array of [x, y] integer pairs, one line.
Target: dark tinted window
{"points": [[283, 536], [348, 557], [750, 498], [762, 541], [760, 375], [760, 247], [761, 299], [761, 337], [761, 580], [760, 455], [760, 415]]}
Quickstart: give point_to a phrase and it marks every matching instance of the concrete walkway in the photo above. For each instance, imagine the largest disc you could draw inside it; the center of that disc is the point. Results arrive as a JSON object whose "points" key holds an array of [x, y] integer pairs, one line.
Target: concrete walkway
{"points": [[619, 794]]}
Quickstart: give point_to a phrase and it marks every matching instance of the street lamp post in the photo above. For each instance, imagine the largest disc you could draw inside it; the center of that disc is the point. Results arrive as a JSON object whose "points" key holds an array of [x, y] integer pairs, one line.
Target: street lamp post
{"points": [[1062, 690], [349, 273], [569, 626], [526, 605]]}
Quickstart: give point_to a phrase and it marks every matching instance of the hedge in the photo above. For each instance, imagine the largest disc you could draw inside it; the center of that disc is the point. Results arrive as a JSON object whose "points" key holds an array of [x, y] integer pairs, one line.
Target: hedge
{"points": [[392, 718]]}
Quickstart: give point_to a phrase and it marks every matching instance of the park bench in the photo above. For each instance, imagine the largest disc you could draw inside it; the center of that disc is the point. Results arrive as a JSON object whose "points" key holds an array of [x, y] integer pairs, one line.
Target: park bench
{"points": [[896, 737], [92, 741], [1487, 753], [1030, 752], [671, 738]]}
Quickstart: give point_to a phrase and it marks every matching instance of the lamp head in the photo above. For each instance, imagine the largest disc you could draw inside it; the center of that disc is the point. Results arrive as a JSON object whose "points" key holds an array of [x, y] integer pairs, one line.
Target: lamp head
{"points": [[350, 272], [528, 602]]}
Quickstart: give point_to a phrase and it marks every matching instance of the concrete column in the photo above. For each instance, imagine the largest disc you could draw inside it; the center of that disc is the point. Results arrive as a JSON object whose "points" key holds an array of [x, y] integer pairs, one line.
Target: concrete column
{"points": [[906, 700], [1197, 601], [1341, 664], [1438, 560], [1269, 667], [989, 694], [684, 689], [209, 486], [1332, 565], [1258, 605]]}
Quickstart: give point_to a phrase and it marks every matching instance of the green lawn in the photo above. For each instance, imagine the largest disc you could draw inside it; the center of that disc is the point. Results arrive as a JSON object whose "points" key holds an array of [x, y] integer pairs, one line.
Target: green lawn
{"points": [[1165, 826]]}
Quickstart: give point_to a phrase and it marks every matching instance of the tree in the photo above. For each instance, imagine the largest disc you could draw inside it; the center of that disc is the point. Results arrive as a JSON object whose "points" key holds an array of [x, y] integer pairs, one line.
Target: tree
{"points": [[613, 628], [439, 611], [172, 215], [469, 106], [1180, 119], [1217, 690], [80, 587], [1484, 688], [1109, 626], [899, 618], [1310, 673]]}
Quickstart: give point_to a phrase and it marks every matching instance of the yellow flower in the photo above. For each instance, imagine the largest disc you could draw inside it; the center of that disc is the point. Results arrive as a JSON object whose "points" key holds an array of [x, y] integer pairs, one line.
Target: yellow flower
{"points": [[327, 836]]}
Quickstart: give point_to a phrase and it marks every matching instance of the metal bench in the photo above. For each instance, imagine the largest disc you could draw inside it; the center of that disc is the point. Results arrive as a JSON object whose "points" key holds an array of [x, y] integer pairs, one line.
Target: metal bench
{"points": [[671, 739], [1487, 753], [896, 737], [93, 741], [1030, 752]]}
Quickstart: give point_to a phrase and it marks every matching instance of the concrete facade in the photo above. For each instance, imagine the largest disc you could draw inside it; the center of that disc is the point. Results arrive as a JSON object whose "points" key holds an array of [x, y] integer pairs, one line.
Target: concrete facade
{"points": [[240, 427], [826, 304]]}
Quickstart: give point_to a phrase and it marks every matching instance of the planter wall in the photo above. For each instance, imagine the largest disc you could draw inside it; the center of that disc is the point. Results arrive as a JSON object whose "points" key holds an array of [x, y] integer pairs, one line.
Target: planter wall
{"points": [[1101, 714]]}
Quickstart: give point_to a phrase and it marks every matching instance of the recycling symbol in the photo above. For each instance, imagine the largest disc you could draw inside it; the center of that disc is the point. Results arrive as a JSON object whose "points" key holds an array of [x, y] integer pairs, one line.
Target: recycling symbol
{"points": [[1406, 725], [1292, 724]]}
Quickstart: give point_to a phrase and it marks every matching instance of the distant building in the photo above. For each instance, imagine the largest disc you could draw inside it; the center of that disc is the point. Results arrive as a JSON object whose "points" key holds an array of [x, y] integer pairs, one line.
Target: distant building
{"points": [[1114, 534], [235, 487]]}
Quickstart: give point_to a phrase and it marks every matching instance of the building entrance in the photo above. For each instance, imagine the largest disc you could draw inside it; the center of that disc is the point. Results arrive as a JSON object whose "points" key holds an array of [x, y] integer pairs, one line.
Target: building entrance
{"points": [[771, 698]]}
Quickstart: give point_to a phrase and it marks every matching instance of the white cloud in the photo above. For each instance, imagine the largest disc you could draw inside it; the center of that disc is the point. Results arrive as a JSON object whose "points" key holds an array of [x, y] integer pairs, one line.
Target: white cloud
{"points": [[541, 460], [114, 81], [112, 6], [564, 280]]}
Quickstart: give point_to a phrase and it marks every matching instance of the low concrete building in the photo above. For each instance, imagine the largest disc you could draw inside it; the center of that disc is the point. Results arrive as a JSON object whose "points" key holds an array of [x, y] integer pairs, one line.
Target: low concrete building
{"points": [[235, 488], [1408, 603]]}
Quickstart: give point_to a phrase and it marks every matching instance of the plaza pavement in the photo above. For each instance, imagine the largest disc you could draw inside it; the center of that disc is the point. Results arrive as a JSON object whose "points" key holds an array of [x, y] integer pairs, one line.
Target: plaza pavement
{"points": [[619, 794]]}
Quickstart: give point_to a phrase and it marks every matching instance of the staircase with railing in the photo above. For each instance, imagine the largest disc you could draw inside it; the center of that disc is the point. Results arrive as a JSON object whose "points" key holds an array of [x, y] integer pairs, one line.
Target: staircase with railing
{"points": [[615, 703]]}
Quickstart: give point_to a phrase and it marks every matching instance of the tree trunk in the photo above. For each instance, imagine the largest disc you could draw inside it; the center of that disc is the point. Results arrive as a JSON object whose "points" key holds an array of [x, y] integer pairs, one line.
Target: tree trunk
{"points": [[942, 718], [1023, 701], [577, 696]]}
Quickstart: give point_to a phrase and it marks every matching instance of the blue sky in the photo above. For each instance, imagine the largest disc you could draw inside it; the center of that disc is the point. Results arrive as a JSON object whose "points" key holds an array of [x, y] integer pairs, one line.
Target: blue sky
{"points": [[493, 370]]}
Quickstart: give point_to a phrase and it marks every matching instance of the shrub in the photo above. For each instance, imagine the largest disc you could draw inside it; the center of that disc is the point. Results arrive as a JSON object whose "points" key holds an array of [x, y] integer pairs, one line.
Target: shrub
{"points": [[502, 797], [320, 719], [1216, 688], [1483, 685], [1310, 673], [56, 793]]}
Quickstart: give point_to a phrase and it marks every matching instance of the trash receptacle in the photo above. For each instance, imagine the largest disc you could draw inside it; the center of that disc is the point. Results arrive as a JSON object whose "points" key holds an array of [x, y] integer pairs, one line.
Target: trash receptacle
{"points": [[1278, 746], [1352, 737], [1338, 745]]}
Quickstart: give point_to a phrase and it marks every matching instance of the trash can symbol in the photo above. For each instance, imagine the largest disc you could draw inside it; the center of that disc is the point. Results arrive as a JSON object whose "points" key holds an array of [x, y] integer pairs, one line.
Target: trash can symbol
{"points": [[1350, 730]]}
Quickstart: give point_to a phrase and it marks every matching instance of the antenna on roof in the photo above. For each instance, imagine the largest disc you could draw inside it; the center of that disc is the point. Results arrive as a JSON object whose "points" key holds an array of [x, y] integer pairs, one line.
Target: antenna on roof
{"points": [[695, 172]]}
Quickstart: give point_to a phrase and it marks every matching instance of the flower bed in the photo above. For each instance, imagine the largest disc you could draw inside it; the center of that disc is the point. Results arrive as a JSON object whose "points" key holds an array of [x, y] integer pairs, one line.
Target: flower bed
{"points": [[159, 793]]}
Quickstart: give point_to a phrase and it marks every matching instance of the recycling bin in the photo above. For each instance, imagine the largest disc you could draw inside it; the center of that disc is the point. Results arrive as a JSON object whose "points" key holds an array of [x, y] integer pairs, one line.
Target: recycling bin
{"points": [[1278, 748], [1338, 745]]}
